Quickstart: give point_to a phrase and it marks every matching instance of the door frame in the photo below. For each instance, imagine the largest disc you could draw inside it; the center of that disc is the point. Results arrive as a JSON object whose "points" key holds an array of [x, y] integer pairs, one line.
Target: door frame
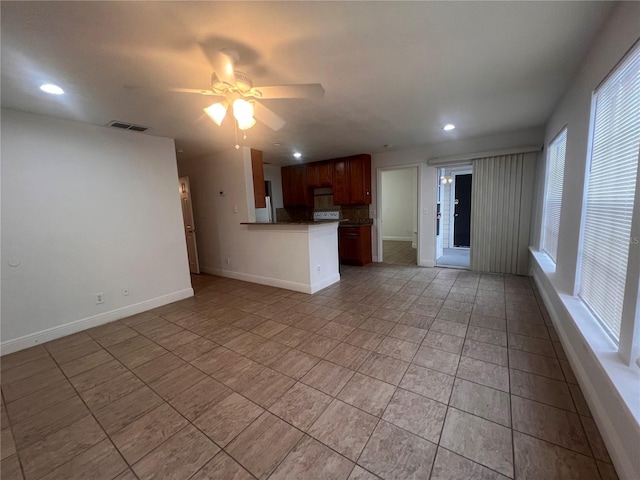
{"points": [[454, 174], [184, 188], [378, 221]]}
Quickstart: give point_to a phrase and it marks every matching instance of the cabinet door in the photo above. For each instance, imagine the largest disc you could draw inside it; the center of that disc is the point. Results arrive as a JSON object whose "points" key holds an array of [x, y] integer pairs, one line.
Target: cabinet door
{"points": [[257, 169], [364, 256], [313, 175], [324, 172], [349, 245], [300, 188], [360, 180], [287, 187], [340, 182]]}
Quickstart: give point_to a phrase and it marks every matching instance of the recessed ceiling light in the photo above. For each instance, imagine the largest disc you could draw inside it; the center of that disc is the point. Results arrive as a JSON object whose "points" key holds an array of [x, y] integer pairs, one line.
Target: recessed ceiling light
{"points": [[51, 88], [448, 127], [297, 154], [276, 144]]}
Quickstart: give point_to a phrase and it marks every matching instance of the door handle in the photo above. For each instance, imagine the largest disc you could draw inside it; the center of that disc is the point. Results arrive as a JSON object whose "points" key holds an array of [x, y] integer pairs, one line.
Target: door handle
{"points": [[455, 214]]}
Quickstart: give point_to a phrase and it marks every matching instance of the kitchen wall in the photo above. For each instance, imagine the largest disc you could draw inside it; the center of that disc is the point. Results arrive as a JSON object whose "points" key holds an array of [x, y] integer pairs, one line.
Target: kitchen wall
{"points": [[428, 178], [272, 173], [611, 388], [85, 209], [399, 204]]}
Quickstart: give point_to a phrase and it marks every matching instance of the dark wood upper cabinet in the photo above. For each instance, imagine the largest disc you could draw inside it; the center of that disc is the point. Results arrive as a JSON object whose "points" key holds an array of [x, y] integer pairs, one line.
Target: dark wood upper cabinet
{"points": [[295, 192], [360, 180], [287, 186], [340, 181], [257, 168], [352, 180], [319, 174]]}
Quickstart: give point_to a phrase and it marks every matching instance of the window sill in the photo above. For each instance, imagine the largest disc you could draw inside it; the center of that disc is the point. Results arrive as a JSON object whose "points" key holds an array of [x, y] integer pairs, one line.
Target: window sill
{"points": [[624, 378]]}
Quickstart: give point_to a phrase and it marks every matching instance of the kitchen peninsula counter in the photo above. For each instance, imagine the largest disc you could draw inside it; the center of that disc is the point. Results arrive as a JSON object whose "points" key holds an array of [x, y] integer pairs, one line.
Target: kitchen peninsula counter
{"points": [[301, 222], [296, 255]]}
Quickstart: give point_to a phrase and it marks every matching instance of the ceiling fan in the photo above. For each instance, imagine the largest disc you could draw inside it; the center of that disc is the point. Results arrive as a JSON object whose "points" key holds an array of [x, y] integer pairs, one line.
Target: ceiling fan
{"points": [[237, 91]]}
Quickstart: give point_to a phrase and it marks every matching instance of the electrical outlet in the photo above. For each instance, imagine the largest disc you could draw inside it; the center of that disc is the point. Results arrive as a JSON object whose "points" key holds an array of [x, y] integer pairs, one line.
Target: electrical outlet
{"points": [[99, 298], [318, 268], [228, 260], [125, 291], [235, 209]]}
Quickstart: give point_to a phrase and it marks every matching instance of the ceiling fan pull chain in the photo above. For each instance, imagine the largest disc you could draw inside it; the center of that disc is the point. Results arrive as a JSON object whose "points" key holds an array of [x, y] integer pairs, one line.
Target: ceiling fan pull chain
{"points": [[235, 124]]}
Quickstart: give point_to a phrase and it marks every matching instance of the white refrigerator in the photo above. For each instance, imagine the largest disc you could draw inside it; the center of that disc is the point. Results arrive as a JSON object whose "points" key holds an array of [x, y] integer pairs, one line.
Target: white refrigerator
{"points": [[265, 215]]}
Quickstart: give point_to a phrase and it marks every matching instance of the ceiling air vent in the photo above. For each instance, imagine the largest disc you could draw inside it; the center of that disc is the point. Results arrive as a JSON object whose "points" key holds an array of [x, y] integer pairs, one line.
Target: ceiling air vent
{"points": [[128, 126]]}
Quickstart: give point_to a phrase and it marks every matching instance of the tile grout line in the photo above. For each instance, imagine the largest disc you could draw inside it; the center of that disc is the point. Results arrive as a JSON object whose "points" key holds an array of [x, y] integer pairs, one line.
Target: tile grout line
{"points": [[10, 427], [324, 357], [94, 418]]}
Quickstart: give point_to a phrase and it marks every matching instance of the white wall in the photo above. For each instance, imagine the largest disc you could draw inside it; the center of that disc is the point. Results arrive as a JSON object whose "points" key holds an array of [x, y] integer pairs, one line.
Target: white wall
{"points": [[273, 174], [85, 209], [270, 255], [428, 180], [399, 203], [611, 388]]}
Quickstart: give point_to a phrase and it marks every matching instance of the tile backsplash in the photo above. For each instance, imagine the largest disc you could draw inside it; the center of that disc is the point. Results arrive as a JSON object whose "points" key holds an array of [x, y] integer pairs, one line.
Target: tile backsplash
{"points": [[323, 202], [354, 214]]}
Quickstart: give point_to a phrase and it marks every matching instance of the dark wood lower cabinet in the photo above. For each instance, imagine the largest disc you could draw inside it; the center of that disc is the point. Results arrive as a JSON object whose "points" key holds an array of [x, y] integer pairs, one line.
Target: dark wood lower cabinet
{"points": [[354, 244]]}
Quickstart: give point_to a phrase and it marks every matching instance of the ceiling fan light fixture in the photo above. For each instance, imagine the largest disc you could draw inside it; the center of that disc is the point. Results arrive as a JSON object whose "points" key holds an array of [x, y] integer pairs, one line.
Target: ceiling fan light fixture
{"points": [[242, 109], [217, 112], [246, 124], [243, 112]]}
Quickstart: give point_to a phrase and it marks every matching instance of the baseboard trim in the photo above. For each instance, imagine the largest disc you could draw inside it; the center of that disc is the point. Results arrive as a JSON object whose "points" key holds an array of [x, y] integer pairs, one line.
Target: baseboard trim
{"points": [[26, 341], [273, 282], [327, 282], [399, 239], [427, 263], [624, 465]]}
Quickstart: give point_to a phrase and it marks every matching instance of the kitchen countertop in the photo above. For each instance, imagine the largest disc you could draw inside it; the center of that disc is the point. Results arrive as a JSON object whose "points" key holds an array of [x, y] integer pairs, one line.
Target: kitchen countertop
{"points": [[302, 222]]}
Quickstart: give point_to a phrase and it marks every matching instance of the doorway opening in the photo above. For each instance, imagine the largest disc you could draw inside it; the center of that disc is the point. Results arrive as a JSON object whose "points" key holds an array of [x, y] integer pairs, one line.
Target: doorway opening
{"points": [[398, 216], [453, 230]]}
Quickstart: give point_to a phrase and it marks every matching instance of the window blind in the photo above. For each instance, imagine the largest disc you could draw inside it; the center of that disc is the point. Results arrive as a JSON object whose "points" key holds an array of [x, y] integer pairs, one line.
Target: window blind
{"points": [[615, 137], [553, 194]]}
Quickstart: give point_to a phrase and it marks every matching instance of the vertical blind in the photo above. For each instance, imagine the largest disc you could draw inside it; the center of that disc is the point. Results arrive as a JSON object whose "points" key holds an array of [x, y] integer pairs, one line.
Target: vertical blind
{"points": [[501, 213], [553, 194], [615, 137]]}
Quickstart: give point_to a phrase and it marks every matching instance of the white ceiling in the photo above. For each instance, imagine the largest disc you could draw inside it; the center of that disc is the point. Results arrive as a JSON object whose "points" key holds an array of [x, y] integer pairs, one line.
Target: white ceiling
{"points": [[393, 72]]}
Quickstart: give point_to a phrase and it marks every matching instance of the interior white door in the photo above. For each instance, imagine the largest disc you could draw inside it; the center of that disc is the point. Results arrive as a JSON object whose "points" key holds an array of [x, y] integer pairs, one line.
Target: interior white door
{"points": [[189, 227]]}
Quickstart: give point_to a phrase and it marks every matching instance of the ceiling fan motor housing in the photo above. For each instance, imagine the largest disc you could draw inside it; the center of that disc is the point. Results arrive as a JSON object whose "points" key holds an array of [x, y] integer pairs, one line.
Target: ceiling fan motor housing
{"points": [[243, 83]]}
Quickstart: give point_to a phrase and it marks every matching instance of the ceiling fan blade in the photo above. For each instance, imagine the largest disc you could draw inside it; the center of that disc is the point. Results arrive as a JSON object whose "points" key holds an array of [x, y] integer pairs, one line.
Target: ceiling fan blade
{"points": [[305, 90], [210, 93], [222, 65], [266, 116]]}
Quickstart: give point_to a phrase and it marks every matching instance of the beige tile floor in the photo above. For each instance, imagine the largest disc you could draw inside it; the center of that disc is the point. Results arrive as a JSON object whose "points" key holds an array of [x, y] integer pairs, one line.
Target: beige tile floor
{"points": [[396, 372], [398, 252]]}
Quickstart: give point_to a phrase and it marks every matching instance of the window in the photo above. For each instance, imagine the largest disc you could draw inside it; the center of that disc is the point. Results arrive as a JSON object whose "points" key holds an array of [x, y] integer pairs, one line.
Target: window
{"points": [[553, 194], [615, 136]]}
